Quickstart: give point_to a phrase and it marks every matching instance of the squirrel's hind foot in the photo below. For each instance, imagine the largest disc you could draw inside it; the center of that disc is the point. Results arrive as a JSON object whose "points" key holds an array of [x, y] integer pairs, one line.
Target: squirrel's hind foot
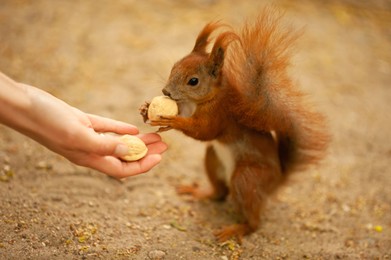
{"points": [[195, 192], [232, 231]]}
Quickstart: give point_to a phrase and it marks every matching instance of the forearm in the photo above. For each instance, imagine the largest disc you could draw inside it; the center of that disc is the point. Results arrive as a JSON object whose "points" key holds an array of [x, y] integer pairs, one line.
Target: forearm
{"points": [[203, 129], [30, 110], [14, 102]]}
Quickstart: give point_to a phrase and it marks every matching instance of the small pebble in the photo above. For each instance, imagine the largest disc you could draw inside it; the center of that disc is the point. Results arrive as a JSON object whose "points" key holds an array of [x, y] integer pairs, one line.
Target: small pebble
{"points": [[43, 165], [156, 254]]}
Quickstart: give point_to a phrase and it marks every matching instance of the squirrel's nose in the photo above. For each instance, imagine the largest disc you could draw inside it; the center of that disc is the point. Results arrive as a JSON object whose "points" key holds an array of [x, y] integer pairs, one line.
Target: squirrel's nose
{"points": [[166, 93]]}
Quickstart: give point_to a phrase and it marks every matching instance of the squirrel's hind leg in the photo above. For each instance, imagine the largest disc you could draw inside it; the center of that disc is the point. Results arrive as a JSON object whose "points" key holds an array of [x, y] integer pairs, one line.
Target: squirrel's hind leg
{"points": [[219, 189], [250, 186]]}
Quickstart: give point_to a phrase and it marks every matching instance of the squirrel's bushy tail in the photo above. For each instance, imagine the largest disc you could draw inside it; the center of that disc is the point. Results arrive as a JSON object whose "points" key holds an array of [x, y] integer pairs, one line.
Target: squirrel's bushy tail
{"points": [[305, 142], [265, 98]]}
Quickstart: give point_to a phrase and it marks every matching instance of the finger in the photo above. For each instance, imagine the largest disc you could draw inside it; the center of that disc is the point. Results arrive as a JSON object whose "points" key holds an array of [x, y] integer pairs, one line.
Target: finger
{"points": [[150, 138], [157, 148], [118, 169], [103, 124], [100, 144], [111, 145], [141, 166]]}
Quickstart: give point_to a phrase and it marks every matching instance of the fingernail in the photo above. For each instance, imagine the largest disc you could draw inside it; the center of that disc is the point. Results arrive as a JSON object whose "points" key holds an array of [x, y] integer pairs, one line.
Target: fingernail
{"points": [[121, 150]]}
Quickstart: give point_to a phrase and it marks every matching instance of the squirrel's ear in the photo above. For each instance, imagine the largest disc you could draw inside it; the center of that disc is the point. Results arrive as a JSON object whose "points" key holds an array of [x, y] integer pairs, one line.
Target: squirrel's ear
{"points": [[216, 58], [203, 37]]}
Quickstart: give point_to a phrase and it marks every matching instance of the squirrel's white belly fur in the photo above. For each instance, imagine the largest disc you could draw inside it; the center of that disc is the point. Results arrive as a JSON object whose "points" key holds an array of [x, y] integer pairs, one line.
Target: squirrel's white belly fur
{"points": [[225, 154]]}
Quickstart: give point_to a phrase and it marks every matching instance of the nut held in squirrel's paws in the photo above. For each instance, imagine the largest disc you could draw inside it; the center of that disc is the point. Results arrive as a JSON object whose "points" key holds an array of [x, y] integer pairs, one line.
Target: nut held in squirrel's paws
{"points": [[162, 106], [136, 148]]}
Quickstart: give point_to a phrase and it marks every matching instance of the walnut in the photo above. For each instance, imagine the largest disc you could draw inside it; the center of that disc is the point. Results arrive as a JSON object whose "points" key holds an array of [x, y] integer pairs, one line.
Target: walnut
{"points": [[162, 106], [137, 148]]}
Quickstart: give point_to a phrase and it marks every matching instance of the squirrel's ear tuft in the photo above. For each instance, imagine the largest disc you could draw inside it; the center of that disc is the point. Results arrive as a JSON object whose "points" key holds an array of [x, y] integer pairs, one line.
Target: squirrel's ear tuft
{"points": [[203, 37], [216, 58]]}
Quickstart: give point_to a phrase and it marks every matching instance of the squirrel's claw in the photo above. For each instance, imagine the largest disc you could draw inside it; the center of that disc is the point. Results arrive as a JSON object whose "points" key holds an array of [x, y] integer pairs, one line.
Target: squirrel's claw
{"points": [[233, 231], [144, 111], [164, 129], [167, 118]]}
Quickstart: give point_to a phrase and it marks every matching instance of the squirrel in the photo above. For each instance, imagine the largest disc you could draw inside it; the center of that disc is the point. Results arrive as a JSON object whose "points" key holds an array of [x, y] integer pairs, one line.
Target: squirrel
{"points": [[258, 125]]}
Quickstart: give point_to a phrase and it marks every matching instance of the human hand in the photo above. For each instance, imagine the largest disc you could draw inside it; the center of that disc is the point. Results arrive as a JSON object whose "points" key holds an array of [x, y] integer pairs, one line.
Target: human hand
{"points": [[78, 137], [101, 151], [72, 133]]}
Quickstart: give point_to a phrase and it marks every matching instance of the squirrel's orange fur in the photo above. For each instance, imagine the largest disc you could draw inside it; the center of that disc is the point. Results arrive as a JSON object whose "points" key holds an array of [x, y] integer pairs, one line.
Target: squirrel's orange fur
{"points": [[241, 99]]}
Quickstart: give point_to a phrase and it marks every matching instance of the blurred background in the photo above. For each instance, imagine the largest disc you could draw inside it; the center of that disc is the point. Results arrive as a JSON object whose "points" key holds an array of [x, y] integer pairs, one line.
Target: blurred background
{"points": [[108, 57]]}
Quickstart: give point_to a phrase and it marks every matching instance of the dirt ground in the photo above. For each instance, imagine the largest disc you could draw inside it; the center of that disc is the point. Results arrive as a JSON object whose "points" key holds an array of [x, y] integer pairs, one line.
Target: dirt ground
{"points": [[108, 57]]}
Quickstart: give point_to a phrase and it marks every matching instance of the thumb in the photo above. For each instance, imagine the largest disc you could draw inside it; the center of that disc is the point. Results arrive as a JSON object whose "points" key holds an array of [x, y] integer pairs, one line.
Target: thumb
{"points": [[108, 145]]}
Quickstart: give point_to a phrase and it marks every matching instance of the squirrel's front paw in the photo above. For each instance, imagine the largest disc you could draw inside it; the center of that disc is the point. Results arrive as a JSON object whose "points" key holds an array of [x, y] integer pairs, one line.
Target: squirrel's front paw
{"points": [[165, 122]]}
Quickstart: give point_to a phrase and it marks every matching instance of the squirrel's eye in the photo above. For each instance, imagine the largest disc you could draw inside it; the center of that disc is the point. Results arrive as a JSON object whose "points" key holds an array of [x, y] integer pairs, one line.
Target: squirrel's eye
{"points": [[192, 82]]}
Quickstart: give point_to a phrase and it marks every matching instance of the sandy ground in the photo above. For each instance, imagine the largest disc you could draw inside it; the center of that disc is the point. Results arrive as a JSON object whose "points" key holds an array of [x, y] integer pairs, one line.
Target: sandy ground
{"points": [[108, 57]]}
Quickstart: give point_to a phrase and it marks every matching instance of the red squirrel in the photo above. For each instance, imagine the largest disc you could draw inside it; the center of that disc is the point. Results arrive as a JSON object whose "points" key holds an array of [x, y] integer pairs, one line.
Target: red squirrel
{"points": [[239, 98]]}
